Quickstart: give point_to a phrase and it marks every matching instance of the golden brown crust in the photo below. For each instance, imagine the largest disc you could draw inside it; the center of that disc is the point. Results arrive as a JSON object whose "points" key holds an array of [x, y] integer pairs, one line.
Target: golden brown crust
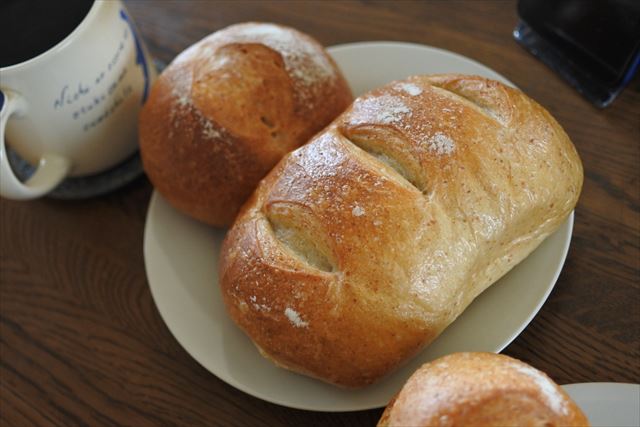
{"points": [[359, 248], [228, 108], [481, 389]]}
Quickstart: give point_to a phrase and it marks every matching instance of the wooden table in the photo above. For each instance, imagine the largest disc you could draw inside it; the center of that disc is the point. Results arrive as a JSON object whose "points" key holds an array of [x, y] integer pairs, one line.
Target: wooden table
{"points": [[81, 341]]}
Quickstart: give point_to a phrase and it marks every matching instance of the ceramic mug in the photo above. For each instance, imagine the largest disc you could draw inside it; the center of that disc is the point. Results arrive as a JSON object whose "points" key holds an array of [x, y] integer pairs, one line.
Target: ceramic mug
{"points": [[73, 110]]}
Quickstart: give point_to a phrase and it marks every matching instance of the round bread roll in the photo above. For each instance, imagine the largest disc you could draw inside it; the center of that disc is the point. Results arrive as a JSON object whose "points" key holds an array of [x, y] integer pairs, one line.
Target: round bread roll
{"points": [[481, 389], [228, 108], [359, 248]]}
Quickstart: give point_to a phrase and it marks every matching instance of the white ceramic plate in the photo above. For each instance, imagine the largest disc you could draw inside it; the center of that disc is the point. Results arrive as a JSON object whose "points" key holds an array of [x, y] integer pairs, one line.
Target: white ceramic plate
{"points": [[608, 404], [181, 257]]}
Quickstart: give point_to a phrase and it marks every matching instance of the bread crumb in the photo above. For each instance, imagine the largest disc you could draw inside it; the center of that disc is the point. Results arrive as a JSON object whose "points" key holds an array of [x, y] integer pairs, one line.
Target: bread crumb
{"points": [[295, 318]]}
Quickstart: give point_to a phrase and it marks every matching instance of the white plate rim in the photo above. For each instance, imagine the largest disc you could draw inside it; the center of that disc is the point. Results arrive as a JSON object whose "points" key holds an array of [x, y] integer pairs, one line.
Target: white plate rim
{"points": [[567, 228], [583, 395], [409, 45]]}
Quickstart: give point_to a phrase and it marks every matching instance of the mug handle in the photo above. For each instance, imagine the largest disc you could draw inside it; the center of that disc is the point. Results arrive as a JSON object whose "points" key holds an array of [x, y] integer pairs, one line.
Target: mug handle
{"points": [[51, 170]]}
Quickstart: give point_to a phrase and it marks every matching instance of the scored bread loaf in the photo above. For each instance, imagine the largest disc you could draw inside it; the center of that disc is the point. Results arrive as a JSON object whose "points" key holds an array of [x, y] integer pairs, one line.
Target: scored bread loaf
{"points": [[360, 247], [223, 113], [481, 389]]}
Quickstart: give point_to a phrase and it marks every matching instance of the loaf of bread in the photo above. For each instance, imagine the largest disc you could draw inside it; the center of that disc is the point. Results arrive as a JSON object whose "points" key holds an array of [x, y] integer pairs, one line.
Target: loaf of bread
{"points": [[481, 389], [360, 247], [228, 108]]}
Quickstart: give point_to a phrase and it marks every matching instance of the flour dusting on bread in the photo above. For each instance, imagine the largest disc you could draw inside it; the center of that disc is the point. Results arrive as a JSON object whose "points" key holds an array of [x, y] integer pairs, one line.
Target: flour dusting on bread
{"points": [[386, 109], [182, 105], [182, 100], [357, 211], [295, 319], [440, 143], [410, 89], [303, 59], [208, 130]]}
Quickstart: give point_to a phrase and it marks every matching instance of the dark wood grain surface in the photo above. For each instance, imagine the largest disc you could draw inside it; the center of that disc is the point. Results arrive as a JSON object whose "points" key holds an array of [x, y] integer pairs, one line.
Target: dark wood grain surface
{"points": [[81, 342]]}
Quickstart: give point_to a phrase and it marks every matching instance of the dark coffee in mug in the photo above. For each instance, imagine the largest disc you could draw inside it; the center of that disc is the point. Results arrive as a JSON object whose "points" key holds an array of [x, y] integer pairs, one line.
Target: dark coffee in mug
{"points": [[31, 27]]}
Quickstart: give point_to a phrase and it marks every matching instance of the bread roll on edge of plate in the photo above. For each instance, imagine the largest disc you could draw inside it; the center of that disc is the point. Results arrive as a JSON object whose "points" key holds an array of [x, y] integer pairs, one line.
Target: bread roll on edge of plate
{"points": [[481, 389], [223, 113], [361, 247]]}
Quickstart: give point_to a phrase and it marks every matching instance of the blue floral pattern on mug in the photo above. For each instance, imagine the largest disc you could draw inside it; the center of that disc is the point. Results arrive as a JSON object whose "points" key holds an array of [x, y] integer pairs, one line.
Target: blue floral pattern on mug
{"points": [[140, 58]]}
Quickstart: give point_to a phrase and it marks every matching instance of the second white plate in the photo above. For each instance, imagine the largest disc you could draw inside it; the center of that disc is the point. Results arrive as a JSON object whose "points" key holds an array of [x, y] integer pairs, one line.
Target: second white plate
{"points": [[608, 404], [181, 257]]}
